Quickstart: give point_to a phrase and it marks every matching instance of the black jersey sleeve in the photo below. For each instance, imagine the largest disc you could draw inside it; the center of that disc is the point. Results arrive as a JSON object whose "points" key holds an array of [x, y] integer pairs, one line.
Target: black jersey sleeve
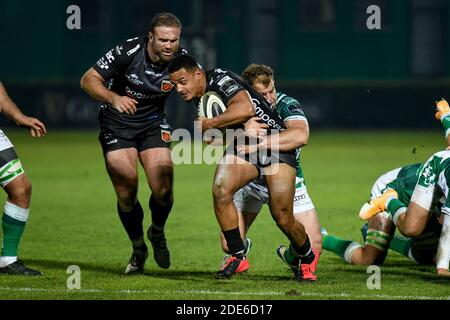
{"points": [[225, 84], [116, 60]]}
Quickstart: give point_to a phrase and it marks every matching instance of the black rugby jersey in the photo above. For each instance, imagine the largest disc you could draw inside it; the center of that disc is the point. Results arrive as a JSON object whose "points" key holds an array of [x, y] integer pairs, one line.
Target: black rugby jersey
{"points": [[128, 71], [227, 84]]}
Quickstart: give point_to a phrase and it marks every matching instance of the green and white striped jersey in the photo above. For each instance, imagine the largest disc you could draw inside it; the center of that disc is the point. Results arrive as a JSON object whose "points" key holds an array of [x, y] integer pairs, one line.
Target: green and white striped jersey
{"points": [[406, 181], [435, 172]]}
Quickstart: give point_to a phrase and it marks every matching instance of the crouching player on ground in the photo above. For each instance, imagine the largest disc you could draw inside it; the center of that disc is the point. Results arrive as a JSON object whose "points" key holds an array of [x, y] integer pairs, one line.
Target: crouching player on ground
{"points": [[379, 231], [432, 188]]}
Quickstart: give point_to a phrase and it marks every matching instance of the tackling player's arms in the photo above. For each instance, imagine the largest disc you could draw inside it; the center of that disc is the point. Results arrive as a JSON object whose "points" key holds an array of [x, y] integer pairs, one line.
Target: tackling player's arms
{"points": [[94, 84], [295, 136], [239, 110]]}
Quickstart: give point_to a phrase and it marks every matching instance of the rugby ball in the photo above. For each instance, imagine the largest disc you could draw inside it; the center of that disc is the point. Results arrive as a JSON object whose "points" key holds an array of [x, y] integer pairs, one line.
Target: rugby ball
{"points": [[210, 105]]}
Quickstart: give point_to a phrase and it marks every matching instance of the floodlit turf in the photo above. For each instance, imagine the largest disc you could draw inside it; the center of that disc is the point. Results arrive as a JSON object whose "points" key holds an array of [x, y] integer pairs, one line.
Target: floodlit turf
{"points": [[73, 221]]}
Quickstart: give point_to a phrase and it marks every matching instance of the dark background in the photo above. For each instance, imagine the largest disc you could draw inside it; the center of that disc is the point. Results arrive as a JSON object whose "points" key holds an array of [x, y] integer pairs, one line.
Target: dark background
{"points": [[345, 75]]}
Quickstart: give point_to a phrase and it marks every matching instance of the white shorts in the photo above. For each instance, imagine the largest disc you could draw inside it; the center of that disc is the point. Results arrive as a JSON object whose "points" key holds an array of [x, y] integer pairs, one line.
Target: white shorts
{"points": [[252, 197], [5, 143], [10, 166], [382, 182]]}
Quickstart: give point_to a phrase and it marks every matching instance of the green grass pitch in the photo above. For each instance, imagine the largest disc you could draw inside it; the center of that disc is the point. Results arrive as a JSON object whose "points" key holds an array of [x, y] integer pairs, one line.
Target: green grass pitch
{"points": [[73, 221]]}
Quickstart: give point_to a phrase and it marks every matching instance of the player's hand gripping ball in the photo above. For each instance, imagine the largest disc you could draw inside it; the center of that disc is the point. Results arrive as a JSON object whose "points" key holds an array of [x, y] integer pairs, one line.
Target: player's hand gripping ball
{"points": [[210, 105]]}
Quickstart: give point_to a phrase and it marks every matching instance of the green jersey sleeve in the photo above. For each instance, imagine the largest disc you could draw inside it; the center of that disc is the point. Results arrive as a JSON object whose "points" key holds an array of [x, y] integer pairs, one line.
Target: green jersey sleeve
{"points": [[288, 108], [405, 182]]}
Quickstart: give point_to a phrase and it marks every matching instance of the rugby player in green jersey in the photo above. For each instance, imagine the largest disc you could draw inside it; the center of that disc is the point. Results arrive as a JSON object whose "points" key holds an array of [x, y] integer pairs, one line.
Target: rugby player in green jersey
{"points": [[428, 199], [379, 231]]}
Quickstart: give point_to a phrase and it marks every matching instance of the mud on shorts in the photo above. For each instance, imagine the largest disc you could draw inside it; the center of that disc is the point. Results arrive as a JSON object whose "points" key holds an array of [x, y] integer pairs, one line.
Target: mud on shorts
{"points": [[115, 136], [10, 166]]}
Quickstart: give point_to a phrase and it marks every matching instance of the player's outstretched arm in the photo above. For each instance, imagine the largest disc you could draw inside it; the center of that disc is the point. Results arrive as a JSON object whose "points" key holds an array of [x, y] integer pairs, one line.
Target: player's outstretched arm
{"points": [[12, 111], [93, 83], [443, 253]]}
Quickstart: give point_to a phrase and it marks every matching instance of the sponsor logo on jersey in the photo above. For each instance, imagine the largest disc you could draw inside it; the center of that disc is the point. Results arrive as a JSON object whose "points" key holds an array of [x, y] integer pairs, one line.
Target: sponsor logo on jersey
{"points": [[228, 86], [133, 78], [222, 81], [153, 73], [231, 89], [164, 125], [295, 108], [265, 117], [119, 49], [166, 86], [109, 56], [130, 52], [135, 94], [428, 176], [166, 135], [102, 63]]}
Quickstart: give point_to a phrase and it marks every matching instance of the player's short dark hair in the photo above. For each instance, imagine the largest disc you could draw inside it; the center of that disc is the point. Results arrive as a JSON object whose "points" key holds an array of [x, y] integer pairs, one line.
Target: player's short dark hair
{"points": [[182, 61], [258, 73], [165, 19]]}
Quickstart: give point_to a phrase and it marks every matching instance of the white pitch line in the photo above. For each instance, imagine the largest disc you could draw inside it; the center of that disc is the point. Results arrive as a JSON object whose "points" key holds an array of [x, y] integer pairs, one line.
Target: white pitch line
{"points": [[231, 293]]}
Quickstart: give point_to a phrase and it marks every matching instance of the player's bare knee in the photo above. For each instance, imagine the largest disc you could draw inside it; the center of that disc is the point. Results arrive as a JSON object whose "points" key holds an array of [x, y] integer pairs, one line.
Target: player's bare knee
{"points": [[21, 192], [411, 231], [221, 194], [163, 194], [283, 220], [126, 199]]}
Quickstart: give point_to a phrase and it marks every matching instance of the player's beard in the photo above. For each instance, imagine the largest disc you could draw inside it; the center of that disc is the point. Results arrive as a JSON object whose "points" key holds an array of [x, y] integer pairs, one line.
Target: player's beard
{"points": [[158, 51]]}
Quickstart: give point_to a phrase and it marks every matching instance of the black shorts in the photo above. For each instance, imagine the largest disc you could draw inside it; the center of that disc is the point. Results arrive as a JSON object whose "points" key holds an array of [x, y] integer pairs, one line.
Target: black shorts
{"points": [[7, 155], [116, 136], [264, 158], [425, 246]]}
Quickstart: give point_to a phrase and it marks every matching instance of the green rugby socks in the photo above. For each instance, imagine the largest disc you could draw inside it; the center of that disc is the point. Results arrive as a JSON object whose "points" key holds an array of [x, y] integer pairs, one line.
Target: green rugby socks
{"points": [[13, 224]]}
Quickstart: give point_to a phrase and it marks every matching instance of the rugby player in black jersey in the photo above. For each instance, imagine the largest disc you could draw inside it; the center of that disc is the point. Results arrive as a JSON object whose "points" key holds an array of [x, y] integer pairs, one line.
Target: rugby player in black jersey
{"points": [[133, 83], [235, 169]]}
